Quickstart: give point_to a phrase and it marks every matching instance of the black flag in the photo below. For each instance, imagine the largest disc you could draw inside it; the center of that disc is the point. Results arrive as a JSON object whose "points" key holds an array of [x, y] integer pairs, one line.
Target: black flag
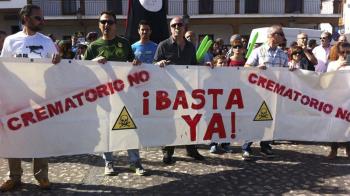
{"points": [[154, 12]]}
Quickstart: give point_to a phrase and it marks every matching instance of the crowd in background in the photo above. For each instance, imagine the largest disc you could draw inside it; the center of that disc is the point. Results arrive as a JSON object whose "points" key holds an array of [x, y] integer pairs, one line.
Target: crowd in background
{"points": [[180, 49]]}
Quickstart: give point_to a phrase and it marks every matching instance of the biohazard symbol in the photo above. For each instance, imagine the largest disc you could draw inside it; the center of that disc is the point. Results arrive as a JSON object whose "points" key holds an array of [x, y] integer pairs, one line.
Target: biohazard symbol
{"points": [[263, 114], [124, 121]]}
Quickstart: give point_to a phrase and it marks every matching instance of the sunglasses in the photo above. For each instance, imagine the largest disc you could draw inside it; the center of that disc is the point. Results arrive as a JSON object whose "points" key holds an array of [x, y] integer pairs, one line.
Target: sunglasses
{"points": [[345, 52], [323, 38], [237, 47], [38, 18], [279, 33], [176, 24], [110, 22], [297, 53]]}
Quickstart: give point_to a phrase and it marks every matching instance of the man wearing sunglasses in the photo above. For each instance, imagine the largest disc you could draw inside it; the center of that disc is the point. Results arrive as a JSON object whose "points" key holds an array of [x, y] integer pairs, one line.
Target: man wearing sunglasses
{"points": [[267, 55], [111, 47], [322, 51], [308, 60], [176, 50], [29, 43]]}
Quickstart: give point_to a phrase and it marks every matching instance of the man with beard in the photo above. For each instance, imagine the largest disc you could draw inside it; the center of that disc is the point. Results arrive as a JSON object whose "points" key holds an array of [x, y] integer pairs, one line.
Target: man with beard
{"points": [[29, 43], [176, 50], [111, 47]]}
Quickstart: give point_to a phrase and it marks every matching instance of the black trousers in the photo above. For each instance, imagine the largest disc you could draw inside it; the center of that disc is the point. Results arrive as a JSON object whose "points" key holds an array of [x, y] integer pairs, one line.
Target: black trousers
{"points": [[169, 150]]}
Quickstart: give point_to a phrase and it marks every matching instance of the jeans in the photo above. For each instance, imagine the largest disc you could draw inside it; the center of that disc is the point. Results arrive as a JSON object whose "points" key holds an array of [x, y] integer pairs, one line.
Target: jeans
{"points": [[169, 150], [263, 145], [133, 154]]}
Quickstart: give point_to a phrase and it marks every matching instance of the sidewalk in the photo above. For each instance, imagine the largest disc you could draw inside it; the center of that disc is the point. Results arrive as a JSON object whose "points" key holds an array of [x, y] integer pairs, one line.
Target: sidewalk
{"points": [[298, 169]]}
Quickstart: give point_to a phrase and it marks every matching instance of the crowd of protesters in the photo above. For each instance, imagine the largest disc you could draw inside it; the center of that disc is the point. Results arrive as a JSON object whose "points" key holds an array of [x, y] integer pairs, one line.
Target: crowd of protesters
{"points": [[178, 49]]}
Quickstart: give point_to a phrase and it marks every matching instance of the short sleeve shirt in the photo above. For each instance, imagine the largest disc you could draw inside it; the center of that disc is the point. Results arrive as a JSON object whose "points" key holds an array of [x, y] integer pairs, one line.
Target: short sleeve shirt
{"points": [[144, 52], [268, 56], [169, 50], [117, 49], [28, 46]]}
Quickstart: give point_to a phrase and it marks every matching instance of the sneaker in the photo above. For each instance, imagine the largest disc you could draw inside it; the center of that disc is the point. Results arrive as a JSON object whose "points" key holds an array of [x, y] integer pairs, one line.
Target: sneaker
{"points": [[44, 184], [246, 156], [267, 153], [138, 169], [109, 169], [167, 159], [213, 149], [9, 185]]}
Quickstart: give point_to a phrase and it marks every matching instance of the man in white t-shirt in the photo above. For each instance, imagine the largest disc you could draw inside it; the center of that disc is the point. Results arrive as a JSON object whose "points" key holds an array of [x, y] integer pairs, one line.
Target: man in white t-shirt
{"points": [[322, 51], [29, 43]]}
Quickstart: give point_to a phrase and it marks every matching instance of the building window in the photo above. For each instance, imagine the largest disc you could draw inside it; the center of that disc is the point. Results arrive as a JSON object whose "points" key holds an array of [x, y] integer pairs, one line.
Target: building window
{"points": [[294, 6], [115, 6], [252, 6], [206, 7], [69, 7]]}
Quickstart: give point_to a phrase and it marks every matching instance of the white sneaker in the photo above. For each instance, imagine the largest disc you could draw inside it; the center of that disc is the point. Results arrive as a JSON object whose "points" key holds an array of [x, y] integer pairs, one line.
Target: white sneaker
{"points": [[109, 169], [246, 156]]}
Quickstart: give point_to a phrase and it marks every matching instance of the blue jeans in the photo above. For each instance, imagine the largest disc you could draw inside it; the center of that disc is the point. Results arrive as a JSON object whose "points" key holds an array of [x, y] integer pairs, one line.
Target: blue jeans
{"points": [[133, 154], [263, 145]]}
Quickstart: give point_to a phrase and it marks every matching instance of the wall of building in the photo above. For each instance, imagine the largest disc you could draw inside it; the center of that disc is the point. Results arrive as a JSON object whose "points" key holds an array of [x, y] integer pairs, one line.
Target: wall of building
{"points": [[12, 4]]}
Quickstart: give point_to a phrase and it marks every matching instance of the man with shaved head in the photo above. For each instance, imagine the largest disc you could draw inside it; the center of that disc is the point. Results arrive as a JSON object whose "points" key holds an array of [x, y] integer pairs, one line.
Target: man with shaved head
{"points": [[176, 50]]}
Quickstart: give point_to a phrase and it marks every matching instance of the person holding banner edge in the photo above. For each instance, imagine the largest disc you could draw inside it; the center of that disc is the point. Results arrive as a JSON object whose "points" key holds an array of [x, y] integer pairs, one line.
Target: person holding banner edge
{"points": [[29, 43], [267, 55], [111, 47], [176, 50]]}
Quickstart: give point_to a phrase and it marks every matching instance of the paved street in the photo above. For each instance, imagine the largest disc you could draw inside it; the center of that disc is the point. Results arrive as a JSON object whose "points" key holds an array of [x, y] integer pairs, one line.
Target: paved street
{"points": [[300, 169]]}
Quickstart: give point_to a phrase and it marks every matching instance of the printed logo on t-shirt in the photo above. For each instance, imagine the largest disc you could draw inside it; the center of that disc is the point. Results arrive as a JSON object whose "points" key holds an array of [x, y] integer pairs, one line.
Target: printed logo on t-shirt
{"points": [[36, 49]]}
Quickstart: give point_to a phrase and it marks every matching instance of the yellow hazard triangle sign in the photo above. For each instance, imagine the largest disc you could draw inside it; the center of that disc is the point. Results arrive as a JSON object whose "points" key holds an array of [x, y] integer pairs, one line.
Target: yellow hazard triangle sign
{"points": [[263, 114], [124, 121]]}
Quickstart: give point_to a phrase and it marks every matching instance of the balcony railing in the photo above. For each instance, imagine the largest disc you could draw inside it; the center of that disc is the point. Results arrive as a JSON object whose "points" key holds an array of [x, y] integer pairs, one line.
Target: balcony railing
{"points": [[176, 7]]}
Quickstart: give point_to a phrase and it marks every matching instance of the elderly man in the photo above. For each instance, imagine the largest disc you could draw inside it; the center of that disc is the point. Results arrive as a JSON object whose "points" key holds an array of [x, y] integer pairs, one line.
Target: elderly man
{"points": [[176, 50], [322, 51], [308, 59], [267, 55], [29, 43]]}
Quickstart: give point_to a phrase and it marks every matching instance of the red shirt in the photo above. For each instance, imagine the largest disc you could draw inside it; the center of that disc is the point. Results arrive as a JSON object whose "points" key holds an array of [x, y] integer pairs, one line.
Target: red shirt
{"points": [[233, 63]]}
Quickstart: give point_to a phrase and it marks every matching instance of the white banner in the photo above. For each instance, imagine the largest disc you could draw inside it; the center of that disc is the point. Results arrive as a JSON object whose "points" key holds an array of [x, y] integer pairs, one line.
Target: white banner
{"points": [[80, 107]]}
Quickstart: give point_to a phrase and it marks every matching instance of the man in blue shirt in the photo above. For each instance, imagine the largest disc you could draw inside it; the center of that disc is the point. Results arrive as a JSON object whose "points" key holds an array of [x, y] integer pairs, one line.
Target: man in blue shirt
{"points": [[144, 49]]}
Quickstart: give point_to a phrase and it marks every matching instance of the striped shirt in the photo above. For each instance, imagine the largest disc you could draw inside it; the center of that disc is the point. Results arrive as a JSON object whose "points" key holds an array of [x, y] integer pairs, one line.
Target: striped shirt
{"points": [[265, 55]]}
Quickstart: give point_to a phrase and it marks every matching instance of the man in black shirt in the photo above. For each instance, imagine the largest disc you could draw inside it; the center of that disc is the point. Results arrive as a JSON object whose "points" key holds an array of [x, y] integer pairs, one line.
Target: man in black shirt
{"points": [[176, 50]]}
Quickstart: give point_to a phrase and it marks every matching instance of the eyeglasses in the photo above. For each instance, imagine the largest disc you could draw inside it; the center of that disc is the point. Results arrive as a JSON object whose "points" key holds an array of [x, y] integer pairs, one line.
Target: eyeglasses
{"points": [[279, 33], [176, 24], [237, 47], [110, 22], [38, 18]]}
